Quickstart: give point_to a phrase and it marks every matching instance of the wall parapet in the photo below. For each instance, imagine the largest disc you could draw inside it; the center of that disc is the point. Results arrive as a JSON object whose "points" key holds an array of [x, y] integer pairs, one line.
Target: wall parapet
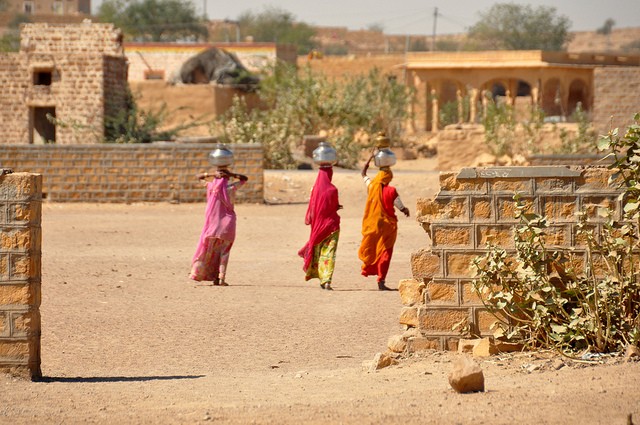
{"points": [[130, 173], [20, 273], [474, 206]]}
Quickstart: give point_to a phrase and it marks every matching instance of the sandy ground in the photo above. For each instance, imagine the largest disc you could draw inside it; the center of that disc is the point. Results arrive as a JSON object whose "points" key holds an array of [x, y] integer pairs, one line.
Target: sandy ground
{"points": [[128, 338]]}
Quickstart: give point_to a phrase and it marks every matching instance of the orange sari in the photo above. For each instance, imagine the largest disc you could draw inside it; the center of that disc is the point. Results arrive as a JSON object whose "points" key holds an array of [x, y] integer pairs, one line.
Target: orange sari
{"points": [[379, 227]]}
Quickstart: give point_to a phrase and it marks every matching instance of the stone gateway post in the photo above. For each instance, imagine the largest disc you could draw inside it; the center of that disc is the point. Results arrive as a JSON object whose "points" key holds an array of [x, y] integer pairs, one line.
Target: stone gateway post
{"points": [[20, 273]]}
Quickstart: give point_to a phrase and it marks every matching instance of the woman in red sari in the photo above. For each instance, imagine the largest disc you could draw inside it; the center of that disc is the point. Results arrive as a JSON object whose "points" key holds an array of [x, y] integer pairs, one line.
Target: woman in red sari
{"points": [[379, 225], [319, 252]]}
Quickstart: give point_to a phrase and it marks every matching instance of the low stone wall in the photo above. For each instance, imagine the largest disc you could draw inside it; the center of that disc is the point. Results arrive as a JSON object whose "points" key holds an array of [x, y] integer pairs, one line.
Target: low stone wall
{"points": [[130, 173], [471, 207], [20, 273]]}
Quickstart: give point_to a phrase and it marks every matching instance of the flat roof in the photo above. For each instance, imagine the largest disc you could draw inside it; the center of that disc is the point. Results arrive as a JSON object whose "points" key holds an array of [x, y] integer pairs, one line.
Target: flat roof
{"points": [[516, 59]]}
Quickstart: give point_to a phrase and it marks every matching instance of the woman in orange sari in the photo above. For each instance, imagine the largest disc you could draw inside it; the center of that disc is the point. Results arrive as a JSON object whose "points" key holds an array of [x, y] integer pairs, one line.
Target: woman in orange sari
{"points": [[379, 225]]}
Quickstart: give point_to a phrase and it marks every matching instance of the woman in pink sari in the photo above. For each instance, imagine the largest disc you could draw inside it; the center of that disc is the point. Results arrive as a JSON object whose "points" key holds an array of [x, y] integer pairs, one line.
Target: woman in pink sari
{"points": [[319, 252], [212, 254]]}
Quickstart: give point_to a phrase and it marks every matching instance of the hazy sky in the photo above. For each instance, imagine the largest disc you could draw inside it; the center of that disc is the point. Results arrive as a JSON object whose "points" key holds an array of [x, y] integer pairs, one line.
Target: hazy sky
{"points": [[417, 16]]}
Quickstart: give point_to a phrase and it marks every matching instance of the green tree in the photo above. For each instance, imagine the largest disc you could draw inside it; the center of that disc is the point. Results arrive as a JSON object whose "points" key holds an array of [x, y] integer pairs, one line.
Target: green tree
{"points": [[607, 27], [155, 20], [10, 41], [510, 26], [277, 25]]}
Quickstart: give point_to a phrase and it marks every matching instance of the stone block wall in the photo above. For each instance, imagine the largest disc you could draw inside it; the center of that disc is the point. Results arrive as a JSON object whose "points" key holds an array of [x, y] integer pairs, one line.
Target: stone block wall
{"points": [[130, 173], [20, 273], [616, 97], [472, 207], [85, 38]]}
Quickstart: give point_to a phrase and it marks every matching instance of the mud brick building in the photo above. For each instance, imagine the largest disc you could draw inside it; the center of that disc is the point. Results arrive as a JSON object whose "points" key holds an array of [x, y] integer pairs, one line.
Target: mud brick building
{"points": [[61, 85], [472, 207]]}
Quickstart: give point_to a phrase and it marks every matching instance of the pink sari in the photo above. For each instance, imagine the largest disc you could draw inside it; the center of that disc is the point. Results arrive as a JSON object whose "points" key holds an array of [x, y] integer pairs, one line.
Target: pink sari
{"points": [[322, 213], [219, 232]]}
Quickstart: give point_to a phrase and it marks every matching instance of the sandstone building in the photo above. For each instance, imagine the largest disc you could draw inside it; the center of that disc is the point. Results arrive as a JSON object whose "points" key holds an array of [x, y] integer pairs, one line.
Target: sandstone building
{"points": [[605, 85], [48, 7], [62, 83]]}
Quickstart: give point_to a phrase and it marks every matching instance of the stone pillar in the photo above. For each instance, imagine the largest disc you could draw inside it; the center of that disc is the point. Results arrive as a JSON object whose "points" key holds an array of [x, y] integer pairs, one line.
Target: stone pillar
{"points": [[485, 100], [20, 253], [435, 113], [473, 112], [460, 106]]}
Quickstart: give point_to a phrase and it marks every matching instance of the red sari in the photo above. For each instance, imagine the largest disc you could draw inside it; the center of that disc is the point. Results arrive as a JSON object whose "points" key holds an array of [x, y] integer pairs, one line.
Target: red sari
{"points": [[379, 227], [322, 214]]}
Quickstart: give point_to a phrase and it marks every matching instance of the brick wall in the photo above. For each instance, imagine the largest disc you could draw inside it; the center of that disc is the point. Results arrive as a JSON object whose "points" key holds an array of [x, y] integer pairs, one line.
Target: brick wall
{"points": [[130, 173], [471, 207], [85, 38], [20, 251], [616, 95]]}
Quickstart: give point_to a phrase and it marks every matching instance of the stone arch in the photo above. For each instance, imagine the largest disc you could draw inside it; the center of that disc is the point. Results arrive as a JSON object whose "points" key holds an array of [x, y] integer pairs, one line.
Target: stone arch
{"points": [[551, 99], [578, 93]]}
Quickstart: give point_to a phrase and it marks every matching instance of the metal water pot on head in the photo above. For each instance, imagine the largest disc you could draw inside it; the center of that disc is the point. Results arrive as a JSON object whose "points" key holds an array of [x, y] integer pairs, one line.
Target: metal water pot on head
{"points": [[325, 155], [384, 157], [221, 156]]}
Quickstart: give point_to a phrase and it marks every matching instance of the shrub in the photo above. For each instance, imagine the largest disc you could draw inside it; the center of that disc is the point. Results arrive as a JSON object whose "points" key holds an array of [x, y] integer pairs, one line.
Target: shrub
{"points": [[300, 102]]}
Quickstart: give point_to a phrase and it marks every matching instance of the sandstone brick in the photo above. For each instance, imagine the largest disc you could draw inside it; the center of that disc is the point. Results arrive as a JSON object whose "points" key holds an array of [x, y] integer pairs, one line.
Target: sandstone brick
{"points": [[485, 348], [507, 211], [449, 183], [558, 208], [442, 209], [451, 343], [595, 179], [4, 267], [16, 240], [554, 185], [409, 316], [410, 291], [397, 344], [442, 292], [419, 344], [468, 295], [14, 350], [4, 324], [484, 321], [456, 236], [459, 264], [440, 320], [24, 267], [481, 209], [498, 235], [17, 294], [28, 212], [558, 236], [523, 186], [425, 264], [26, 323], [592, 204]]}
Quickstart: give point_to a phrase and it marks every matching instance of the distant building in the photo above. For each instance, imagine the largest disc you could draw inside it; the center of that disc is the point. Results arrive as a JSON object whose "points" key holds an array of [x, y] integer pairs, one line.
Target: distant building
{"points": [[162, 61], [62, 84], [605, 85], [48, 7]]}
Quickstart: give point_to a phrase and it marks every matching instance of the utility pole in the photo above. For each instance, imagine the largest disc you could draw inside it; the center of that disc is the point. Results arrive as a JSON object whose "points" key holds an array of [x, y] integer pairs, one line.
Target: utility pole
{"points": [[435, 20]]}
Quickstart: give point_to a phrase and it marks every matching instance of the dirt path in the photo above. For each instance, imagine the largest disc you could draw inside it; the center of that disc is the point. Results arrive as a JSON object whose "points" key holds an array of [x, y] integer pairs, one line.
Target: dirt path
{"points": [[128, 337]]}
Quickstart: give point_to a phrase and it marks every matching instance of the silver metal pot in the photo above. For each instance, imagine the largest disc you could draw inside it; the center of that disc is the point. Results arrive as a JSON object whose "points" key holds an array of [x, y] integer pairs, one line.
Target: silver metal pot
{"points": [[325, 154], [221, 156], [384, 158]]}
